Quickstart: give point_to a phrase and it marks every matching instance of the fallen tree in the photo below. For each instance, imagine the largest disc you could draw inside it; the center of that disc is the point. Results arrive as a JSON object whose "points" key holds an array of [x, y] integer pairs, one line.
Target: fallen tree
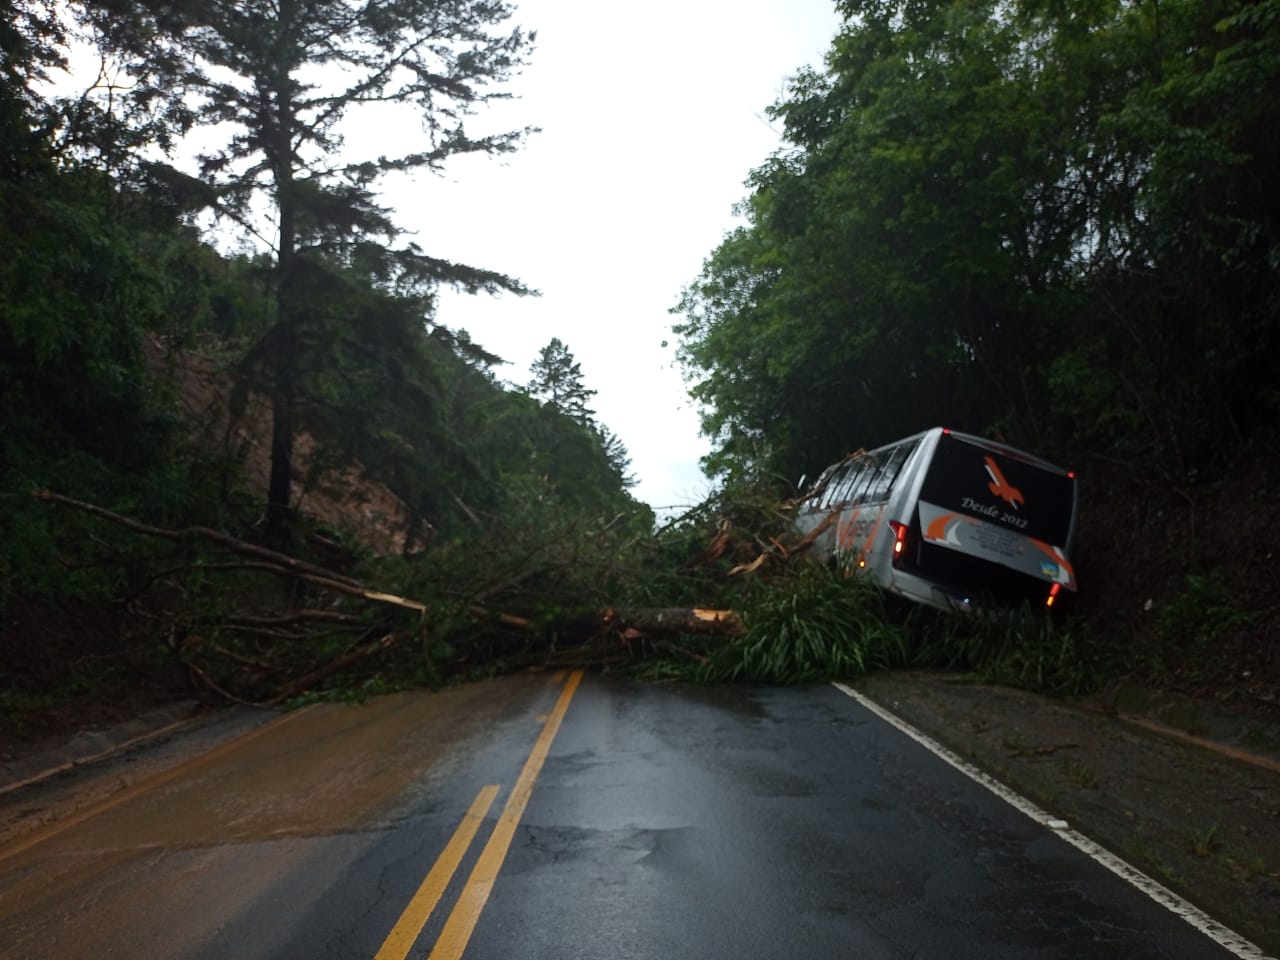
{"points": [[259, 626]]}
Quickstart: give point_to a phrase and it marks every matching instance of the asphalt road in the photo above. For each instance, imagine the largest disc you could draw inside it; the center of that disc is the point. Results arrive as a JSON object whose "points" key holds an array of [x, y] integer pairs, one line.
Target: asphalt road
{"points": [[543, 817]]}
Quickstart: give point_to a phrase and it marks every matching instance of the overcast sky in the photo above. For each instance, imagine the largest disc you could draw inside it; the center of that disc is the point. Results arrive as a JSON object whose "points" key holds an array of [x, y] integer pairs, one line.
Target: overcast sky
{"points": [[652, 116]]}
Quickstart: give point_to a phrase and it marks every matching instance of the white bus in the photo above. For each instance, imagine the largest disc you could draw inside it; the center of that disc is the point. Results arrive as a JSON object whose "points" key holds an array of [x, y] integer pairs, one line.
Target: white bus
{"points": [[947, 519]]}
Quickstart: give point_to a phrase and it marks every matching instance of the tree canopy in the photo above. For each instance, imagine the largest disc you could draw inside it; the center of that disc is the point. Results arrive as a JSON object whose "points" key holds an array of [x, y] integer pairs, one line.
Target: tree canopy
{"points": [[1033, 219], [277, 80], [557, 380]]}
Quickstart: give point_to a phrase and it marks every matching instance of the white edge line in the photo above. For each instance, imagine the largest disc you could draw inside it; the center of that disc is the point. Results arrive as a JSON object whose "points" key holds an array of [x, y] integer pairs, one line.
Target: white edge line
{"points": [[1215, 931]]}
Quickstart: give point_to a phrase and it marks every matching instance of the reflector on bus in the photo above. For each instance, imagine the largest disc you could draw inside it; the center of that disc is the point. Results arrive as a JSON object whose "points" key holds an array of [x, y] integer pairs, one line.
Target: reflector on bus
{"points": [[899, 537]]}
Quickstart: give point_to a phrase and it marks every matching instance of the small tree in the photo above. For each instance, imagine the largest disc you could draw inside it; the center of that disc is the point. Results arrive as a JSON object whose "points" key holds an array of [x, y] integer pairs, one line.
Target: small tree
{"points": [[557, 380]]}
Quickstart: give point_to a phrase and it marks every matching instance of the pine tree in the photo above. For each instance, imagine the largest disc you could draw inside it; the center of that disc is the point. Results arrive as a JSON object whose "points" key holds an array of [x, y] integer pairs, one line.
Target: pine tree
{"points": [[615, 451], [557, 380], [283, 75]]}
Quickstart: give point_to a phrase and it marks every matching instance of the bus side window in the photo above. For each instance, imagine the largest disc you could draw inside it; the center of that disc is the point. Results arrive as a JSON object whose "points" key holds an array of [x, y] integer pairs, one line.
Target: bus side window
{"points": [[852, 477], [826, 485], [893, 465], [837, 480], [821, 488], [866, 481], [851, 480]]}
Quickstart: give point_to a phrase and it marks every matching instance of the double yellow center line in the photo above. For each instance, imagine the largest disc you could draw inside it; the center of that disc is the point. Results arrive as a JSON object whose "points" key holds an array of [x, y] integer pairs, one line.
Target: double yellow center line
{"points": [[466, 912]]}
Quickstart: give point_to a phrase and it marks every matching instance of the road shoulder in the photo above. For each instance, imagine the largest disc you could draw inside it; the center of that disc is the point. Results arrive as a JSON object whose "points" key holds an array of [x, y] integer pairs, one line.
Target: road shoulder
{"points": [[40, 788], [1197, 809]]}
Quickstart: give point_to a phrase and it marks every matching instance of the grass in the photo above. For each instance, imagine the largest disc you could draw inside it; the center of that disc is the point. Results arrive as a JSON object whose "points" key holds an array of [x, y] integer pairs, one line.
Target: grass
{"points": [[1142, 852], [818, 624], [1046, 792], [1246, 867], [1022, 647], [1079, 774], [1201, 842], [821, 626], [1139, 847]]}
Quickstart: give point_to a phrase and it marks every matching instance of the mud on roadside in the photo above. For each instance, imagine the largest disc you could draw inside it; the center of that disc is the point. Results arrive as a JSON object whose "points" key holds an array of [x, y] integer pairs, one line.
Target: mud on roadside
{"points": [[1189, 796], [41, 788]]}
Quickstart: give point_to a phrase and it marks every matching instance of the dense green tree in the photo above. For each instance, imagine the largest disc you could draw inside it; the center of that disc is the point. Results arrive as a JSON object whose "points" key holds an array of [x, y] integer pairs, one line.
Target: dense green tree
{"points": [[83, 286], [863, 296], [31, 43], [1035, 218], [557, 380], [280, 78], [85, 295], [615, 452]]}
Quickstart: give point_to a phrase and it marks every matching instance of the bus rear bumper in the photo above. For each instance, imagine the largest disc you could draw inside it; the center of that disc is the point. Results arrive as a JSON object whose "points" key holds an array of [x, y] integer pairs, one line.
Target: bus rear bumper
{"points": [[919, 590]]}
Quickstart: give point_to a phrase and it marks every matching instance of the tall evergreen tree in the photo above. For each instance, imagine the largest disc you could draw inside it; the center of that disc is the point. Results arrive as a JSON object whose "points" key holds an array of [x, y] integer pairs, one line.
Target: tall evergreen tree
{"points": [[283, 75], [557, 380], [615, 452]]}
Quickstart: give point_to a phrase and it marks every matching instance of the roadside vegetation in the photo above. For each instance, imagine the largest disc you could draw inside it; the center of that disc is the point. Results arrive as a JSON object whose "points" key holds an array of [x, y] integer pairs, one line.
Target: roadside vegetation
{"points": [[276, 471]]}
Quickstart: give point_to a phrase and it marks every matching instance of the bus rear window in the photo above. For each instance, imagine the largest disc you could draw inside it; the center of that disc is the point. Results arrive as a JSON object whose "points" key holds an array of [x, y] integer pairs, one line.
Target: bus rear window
{"points": [[1000, 489]]}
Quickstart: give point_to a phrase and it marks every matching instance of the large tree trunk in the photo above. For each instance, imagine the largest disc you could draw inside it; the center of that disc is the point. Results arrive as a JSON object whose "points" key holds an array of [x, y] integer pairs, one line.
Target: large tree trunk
{"points": [[280, 486], [674, 620], [285, 351]]}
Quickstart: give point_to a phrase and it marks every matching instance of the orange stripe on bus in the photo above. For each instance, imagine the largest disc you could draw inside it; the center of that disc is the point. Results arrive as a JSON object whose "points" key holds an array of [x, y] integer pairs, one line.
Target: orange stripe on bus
{"points": [[871, 540], [845, 538], [938, 528]]}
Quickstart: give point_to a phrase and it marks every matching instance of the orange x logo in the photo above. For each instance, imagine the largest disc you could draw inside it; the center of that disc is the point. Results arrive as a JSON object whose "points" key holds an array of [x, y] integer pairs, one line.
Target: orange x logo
{"points": [[1001, 487]]}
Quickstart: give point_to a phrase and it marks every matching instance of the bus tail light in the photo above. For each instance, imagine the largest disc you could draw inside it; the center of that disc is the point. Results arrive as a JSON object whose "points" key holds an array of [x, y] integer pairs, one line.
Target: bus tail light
{"points": [[899, 539], [1053, 594]]}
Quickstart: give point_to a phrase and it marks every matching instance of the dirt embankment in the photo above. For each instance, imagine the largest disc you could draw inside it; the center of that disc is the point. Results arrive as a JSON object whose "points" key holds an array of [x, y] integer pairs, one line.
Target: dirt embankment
{"points": [[344, 498]]}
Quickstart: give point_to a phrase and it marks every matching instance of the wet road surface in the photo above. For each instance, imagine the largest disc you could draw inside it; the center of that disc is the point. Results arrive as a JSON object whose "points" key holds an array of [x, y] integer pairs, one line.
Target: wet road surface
{"points": [[601, 819]]}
